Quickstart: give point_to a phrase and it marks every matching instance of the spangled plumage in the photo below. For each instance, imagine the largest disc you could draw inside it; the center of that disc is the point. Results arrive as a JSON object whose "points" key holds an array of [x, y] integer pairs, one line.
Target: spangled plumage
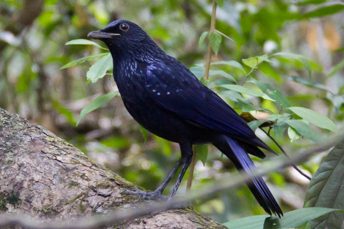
{"points": [[168, 100]]}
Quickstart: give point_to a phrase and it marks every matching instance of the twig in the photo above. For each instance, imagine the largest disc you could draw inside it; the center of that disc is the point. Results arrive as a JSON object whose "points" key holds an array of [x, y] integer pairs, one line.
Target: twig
{"points": [[191, 170], [119, 216], [285, 153], [211, 30]]}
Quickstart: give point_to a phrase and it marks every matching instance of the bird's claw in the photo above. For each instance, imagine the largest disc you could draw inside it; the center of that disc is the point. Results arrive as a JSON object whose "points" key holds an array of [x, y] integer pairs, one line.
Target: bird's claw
{"points": [[155, 195]]}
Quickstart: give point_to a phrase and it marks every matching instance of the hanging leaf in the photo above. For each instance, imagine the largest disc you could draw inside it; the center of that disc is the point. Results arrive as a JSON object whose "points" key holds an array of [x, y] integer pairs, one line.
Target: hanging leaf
{"points": [[314, 118], [326, 188], [202, 152], [202, 38], [99, 68], [96, 103], [215, 40]]}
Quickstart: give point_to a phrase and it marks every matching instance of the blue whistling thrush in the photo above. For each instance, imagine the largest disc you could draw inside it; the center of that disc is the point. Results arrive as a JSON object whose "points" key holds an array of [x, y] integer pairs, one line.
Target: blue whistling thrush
{"points": [[167, 99]]}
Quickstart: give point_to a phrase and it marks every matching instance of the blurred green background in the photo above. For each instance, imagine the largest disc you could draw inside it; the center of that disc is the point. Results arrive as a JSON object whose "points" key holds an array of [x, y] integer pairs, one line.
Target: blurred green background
{"points": [[33, 83]]}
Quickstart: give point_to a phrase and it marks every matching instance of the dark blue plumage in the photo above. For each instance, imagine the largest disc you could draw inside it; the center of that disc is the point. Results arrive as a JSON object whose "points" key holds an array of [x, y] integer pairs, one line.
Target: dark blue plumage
{"points": [[168, 100]]}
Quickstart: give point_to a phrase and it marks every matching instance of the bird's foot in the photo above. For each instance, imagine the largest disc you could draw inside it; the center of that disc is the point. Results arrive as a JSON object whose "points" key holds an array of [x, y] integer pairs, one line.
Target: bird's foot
{"points": [[155, 195]]}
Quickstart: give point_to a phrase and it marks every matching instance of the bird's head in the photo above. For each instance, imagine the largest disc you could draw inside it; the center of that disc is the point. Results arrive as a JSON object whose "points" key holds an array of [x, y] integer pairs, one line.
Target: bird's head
{"points": [[122, 36]]}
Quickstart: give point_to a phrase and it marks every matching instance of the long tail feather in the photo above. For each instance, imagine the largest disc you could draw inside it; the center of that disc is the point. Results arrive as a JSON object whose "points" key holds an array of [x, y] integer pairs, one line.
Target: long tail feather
{"points": [[234, 151]]}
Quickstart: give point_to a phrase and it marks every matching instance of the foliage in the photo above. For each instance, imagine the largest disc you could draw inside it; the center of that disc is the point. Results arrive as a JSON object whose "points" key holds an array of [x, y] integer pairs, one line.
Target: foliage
{"points": [[326, 188], [280, 61]]}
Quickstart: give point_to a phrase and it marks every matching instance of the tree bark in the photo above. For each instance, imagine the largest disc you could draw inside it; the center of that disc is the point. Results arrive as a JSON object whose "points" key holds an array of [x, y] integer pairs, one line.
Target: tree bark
{"points": [[44, 176]]}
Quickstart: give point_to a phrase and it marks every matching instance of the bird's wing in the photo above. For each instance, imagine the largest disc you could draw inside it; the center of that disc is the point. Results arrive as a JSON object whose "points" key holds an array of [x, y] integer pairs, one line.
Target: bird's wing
{"points": [[180, 92]]}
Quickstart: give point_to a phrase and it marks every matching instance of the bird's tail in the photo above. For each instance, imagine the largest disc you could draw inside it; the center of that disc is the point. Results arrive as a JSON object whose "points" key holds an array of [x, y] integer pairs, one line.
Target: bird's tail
{"points": [[235, 152]]}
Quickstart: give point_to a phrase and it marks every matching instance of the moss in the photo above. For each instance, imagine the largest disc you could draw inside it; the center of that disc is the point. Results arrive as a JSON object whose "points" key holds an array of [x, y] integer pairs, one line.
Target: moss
{"points": [[3, 202], [49, 210], [13, 198]]}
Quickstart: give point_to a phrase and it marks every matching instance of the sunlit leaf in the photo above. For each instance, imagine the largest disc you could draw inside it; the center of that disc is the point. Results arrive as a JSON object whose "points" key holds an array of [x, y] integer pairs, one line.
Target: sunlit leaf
{"points": [[326, 188], [99, 68], [254, 61], [84, 42], [293, 135], [314, 118], [96, 103]]}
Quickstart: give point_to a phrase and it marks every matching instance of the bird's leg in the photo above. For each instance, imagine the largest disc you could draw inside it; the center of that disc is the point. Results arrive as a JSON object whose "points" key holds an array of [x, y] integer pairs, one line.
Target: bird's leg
{"points": [[157, 193], [186, 159]]}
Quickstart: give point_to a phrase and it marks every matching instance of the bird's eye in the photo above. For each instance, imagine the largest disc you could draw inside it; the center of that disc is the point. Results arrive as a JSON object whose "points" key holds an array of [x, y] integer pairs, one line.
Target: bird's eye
{"points": [[124, 27]]}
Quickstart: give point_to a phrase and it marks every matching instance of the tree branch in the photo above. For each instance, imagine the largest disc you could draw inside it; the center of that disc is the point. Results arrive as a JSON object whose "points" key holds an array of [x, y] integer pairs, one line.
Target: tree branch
{"points": [[45, 182]]}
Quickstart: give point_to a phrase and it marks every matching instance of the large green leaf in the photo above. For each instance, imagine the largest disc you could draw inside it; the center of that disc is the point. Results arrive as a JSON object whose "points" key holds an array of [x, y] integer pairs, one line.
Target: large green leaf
{"points": [[290, 219], [314, 118], [96, 103], [99, 68], [303, 129], [327, 189]]}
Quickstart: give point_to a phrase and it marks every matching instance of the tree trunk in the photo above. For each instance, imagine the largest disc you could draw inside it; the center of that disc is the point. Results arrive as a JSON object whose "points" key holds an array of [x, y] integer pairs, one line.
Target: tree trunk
{"points": [[44, 176]]}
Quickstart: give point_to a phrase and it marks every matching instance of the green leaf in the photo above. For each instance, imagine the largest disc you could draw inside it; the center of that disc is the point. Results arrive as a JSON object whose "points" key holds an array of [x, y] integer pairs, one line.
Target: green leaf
{"points": [[288, 55], [308, 83], [99, 68], [336, 68], [293, 135], [326, 188], [83, 60], [223, 74], [232, 64], [84, 42], [251, 222], [254, 61], [273, 93], [248, 91], [324, 11], [291, 219], [303, 129], [64, 111], [202, 38], [301, 216], [202, 152], [314, 118], [215, 40], [96, 103]]}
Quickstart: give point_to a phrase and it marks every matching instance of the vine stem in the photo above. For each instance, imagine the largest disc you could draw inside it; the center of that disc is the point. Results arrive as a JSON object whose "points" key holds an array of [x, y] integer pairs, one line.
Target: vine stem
{"points": [[211, 30]]}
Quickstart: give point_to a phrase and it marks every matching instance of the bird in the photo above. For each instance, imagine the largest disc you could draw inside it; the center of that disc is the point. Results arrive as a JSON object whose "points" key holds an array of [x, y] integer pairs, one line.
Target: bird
{"points": [[167, 99]]}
